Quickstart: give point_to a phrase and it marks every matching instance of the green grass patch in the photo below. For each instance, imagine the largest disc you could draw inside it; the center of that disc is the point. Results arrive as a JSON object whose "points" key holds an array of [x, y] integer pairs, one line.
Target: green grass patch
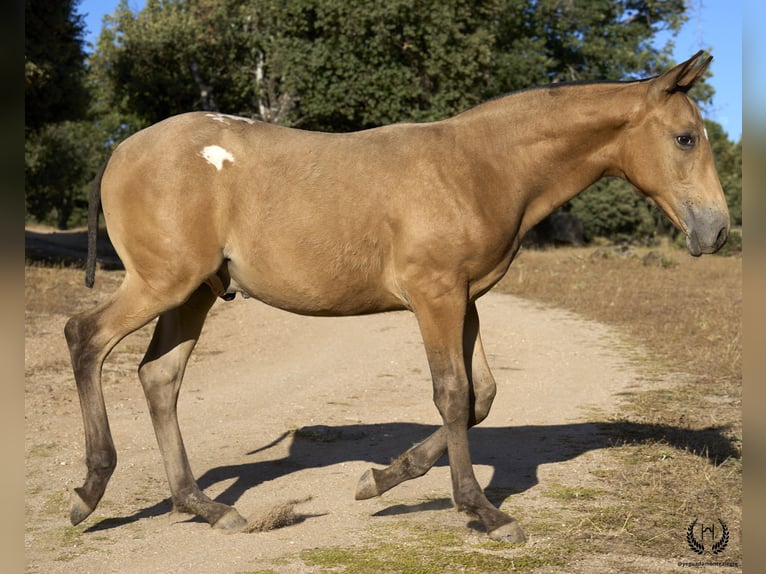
{"points": [[415, 549]]}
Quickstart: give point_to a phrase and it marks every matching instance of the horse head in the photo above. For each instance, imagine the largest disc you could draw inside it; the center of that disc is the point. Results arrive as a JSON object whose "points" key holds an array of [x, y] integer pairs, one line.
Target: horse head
{"points": [[667, 156]]}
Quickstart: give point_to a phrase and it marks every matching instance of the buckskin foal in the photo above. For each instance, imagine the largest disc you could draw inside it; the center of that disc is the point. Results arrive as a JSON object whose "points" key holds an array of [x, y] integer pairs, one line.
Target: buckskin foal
{"points": [[424, 217]]}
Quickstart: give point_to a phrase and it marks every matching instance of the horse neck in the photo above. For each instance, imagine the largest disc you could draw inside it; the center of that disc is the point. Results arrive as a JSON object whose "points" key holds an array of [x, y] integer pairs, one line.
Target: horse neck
{"points": [[542, 147]]}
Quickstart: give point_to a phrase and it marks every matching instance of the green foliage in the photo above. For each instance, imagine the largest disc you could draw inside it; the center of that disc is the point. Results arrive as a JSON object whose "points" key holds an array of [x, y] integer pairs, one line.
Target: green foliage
{"points": [[728, 162], [338, 65], [54, 63], [61, 147], [549, 41], [404, 60], [322, 64], [61, 159], [613, 209], [142, 63]]}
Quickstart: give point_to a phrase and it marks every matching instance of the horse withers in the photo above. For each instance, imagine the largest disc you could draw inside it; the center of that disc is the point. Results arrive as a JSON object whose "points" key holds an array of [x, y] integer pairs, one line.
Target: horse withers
{"points": [[420, 217]]}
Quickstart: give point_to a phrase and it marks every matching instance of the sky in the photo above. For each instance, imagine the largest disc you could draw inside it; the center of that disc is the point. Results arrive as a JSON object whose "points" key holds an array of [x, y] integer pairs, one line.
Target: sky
{"points": [[713, 25], [716, 26]]}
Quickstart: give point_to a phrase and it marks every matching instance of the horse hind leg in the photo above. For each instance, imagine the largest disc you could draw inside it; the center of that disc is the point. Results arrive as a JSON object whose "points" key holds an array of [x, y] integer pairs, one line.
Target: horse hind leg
{"points": [[91, 336], [161, 372]]}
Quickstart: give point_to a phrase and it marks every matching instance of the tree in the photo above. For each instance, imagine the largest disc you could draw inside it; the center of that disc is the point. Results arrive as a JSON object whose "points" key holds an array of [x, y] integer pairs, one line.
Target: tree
{"points": [[322, 64], [614, 210], [60, 142], [338, 65], [396, 61], [54, 63], [61, 159], [558, 40], [728, 162], [142, 64]]}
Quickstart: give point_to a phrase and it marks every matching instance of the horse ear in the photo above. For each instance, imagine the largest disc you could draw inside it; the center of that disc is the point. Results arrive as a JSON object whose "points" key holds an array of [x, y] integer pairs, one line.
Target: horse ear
{"points": [[683, 76]]}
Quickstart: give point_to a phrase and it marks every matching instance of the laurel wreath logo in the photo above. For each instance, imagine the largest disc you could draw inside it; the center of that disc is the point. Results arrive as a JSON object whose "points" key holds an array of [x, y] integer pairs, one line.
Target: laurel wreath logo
{"points": [[697, 546], [720, 546], [692, 541]]}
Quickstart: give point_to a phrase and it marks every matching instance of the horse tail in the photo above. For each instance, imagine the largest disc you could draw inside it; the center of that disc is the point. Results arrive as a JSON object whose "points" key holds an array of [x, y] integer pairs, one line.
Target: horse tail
{"points": [[94, 203]]}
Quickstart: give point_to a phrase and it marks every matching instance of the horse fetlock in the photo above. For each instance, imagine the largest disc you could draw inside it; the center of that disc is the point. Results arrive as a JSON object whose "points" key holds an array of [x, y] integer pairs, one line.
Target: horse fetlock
{"points": [[217, 514], [414, 464], [191, 501], [468, 495], [85, 498], [101, 464]]}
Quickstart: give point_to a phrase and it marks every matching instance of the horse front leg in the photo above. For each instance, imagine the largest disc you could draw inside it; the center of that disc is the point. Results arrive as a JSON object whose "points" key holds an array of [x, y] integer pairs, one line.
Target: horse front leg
{"points": [[420, 458], [161, 373], [442, 318]]}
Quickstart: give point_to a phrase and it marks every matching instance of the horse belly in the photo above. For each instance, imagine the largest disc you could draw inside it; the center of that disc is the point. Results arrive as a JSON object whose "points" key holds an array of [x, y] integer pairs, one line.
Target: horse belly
{"points": [[342, 279]]}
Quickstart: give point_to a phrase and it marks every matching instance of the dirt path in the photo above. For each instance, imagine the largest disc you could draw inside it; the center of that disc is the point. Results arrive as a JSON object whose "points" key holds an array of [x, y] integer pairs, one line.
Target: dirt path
{"points": [[356, 390]]}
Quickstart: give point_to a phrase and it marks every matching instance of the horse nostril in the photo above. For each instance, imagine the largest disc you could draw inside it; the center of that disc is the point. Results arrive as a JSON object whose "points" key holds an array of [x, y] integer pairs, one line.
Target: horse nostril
{"points": [[723, 235]]}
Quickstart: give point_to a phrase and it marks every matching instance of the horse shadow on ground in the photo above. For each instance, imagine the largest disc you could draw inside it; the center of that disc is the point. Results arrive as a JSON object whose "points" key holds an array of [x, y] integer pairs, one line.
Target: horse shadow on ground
{"points": [[69, 248], [514, 453]]}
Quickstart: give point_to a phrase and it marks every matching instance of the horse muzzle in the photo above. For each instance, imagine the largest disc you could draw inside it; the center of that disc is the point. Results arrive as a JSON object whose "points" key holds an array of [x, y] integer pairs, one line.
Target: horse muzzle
{"points": [[706, 232]]}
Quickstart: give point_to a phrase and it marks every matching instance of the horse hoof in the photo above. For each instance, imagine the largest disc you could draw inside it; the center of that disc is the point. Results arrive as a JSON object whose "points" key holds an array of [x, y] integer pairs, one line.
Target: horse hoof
{"points": [[510, 532], [231, 521], [79, 510], [367, 487]]}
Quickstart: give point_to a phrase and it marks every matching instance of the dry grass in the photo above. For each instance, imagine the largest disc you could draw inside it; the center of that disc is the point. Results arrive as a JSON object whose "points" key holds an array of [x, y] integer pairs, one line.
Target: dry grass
{"points": [[60, 290], [680, 450], [275, 517]]}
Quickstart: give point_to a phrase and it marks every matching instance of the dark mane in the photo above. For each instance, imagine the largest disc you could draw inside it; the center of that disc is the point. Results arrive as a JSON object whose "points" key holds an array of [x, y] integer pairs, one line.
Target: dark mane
{"points": [[572, 84]]}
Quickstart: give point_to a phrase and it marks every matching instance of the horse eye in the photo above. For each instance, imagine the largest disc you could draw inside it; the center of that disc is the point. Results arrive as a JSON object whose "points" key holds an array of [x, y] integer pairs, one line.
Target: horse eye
{"points": [[686, 141]]}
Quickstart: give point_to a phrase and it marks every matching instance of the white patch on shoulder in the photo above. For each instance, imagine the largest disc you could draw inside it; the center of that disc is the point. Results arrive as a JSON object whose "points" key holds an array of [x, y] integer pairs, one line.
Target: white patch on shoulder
{"points": [[225, 118], [216, 155]]}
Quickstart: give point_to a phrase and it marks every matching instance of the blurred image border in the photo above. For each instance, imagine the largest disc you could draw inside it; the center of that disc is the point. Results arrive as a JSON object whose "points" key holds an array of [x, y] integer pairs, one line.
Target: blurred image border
{"points": [[754, 270]]}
